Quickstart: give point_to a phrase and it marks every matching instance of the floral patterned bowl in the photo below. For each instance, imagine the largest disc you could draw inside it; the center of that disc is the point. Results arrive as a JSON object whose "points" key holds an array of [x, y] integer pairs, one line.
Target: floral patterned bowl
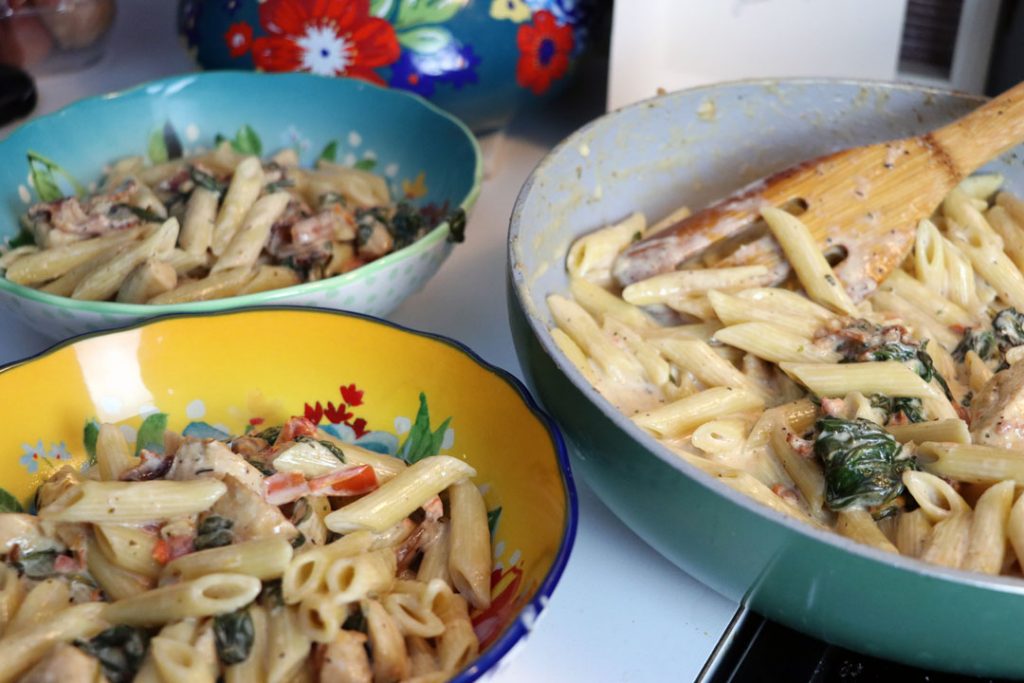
{"points": [[479, 59], [426, 155], [224, 372]]}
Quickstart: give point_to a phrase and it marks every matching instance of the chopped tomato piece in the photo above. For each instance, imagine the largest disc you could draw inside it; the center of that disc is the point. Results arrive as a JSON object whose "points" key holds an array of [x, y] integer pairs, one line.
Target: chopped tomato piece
{"points": [[348, 481], [284, 487], [64, 564], [296, 426], [162, 551]]}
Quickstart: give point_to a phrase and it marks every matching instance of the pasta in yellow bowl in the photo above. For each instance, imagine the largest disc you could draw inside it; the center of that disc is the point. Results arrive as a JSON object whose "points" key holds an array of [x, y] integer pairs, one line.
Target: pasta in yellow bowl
{"points": [[169, 521], [897, 421]]}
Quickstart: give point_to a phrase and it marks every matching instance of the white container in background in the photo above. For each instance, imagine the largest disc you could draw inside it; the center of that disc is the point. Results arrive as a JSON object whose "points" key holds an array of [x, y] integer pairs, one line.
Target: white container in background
{"points": [[673, 44]]}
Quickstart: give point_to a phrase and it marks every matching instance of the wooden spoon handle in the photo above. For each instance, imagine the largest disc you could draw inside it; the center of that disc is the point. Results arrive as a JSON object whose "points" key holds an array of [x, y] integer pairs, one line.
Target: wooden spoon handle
{"points": [[985, 133]]}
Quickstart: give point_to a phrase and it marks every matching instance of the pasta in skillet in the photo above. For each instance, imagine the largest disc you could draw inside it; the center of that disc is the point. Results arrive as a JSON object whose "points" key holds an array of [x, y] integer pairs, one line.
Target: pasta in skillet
{"points": [[897, 421], [207, 225], [275, 556]]}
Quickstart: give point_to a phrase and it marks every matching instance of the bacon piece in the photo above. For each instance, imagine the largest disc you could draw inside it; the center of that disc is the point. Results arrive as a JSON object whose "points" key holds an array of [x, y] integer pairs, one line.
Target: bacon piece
{"points": [[153, 466]]}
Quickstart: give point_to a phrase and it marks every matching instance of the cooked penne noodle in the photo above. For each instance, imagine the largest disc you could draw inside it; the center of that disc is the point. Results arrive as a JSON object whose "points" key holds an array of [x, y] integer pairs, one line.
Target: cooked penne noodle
{"points": [[305, 573], [938, 500], [266, 278], [680, 284], [104, 281], [930, 258], [925, 299], [287, 645], [205, 596], [806, 473], [147, 280], [469, 561], [857, 524], [986, 545], [41, 602], [390, 657], [698, 358], [434, 564], [591, 256], [733, 310], [197, 224], [974, 463], [265, 558], [397, 498], [813, 271], [774, 344], [246, 183], [912, 531], [248, 240], [218, 285], [682, 416], [948, 542], [601, 303], [113, 457], [949, 430], [22, 650], [582, 329], [350, 579], [129, 547], [48, 264], [132, 502]]}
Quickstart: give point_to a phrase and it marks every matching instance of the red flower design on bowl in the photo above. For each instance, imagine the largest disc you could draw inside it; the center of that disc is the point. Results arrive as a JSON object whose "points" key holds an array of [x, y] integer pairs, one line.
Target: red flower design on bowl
{"points": [[326, 37], [238, 38], [544, 50]]}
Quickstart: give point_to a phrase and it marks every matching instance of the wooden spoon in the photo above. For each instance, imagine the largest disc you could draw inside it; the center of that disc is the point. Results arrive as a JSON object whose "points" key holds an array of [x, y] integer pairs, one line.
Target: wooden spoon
{"points": [[861, 204]]}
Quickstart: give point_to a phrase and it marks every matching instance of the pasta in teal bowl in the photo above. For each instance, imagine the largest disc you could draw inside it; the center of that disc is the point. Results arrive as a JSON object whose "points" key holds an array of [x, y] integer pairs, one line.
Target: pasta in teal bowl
{"points": [[190, 195], [843, 461], [347, 516]]}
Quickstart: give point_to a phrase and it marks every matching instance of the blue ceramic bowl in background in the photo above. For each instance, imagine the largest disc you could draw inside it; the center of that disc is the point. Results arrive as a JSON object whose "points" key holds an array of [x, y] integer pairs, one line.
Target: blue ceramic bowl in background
{"points": [[479, 59], [426, 156]]}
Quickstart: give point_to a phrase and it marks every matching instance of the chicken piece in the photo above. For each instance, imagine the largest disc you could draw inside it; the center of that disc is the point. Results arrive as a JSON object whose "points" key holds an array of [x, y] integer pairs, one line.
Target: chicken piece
{"points": [[64, 664], [997, 412], [26, 532], [252, 516], [53, 488], [344, 659], [196, 459]]}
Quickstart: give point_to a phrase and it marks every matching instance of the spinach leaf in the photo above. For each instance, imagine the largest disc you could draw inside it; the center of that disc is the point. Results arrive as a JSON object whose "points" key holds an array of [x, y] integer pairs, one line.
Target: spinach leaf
{"points": [[90, 434], [863, 463], [234, 634], [8, 503], [214, 532], [172, 143], [981, 342], [269, 434], [330, 151], [366, 164], [1009, 328], [24, 238], [355, 622], [151, 433], [421, 442], [271, 595], [329, 445], [891, 406], [120, 650], [247, 141], [457, 226], [43, 180], [492, 520], [42, 174], [144, 215], [205, 180], [37, 565], [157, 149], [265, 469], [299, 540]]}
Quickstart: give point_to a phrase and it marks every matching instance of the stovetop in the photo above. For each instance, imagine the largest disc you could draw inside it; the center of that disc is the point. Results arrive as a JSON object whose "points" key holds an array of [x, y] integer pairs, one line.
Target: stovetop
{"points": [[756, 649]]}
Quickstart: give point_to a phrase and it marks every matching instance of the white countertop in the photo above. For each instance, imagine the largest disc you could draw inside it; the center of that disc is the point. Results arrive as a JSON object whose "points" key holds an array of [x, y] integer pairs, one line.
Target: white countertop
{"points": [[661, 629]]}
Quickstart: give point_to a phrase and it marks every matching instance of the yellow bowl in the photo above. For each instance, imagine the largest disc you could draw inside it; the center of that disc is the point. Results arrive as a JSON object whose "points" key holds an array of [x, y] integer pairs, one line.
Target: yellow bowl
{"points": [[231, 370]]}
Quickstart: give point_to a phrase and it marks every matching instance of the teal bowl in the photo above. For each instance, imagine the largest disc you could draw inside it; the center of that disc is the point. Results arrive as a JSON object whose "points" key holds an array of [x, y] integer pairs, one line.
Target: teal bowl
{"points": [[654, 157], [422, 152], [479, 59]]}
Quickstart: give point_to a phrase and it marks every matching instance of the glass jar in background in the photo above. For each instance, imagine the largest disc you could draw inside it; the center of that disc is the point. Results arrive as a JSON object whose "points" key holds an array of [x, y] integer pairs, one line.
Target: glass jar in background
{"points": [[53, 36]]}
